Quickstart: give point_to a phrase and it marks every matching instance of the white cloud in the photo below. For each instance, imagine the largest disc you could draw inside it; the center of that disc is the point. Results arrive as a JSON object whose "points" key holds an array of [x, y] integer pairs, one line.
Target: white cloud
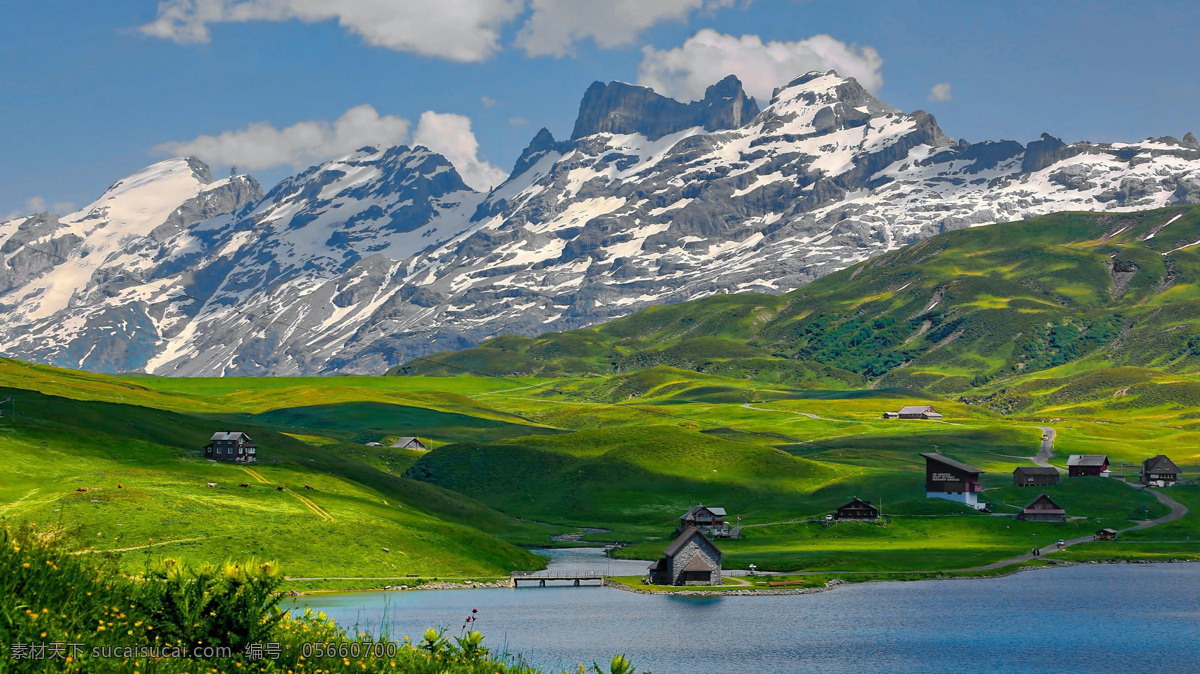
{"points": [[487, 101], [37, 204], [261, 145], [450, 135], [459, 30], [708, 56], [518, 121], [556, 25], [941, 92]]}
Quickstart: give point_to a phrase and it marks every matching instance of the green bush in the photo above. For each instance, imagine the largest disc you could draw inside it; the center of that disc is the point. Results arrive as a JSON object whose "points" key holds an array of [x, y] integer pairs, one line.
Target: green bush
{"points": [[63, 608]]}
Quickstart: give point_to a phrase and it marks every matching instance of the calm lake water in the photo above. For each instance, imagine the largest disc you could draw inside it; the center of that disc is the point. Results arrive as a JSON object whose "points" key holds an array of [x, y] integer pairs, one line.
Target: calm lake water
{"points": [[1089, 618]]}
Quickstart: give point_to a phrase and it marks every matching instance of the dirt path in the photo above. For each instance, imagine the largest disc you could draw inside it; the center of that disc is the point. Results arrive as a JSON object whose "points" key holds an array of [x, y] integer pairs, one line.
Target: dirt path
{"points": [[254, 474], [316, 509], [1178, 510], [1047, 449], [748, 406], [139, 547], [311, 506], [15, 504]]}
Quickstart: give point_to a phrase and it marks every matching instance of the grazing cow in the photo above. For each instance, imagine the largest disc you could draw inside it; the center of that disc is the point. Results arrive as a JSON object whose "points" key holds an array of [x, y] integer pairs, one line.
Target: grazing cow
{"points": [[120, 486], [212, 484], [279, 488], [308, 486], [244, 484], [81, 489]]}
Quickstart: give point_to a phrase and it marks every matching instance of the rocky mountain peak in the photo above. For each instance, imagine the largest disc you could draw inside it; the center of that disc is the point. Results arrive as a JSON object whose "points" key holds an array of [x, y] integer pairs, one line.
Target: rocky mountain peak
{"points": [[621, 108], [1189, 140], [542, 143]]}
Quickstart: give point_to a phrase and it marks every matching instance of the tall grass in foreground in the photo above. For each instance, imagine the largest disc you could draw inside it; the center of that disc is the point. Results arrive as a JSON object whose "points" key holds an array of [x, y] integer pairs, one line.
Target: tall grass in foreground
{"points": [[75, 613]]}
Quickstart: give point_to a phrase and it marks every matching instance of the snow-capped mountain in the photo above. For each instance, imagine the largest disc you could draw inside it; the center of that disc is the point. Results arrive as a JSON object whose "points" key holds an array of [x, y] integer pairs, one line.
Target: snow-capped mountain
{"points": [[365, 261]]}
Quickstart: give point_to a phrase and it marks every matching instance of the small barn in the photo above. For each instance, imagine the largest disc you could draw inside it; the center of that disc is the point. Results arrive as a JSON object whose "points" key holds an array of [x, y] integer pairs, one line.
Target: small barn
{"points": [[1079, 465], [1159, 471], [233, 446], [918, 412], [891, 415], [1106, 534], [952, 480], [706, 519], [1035, 476], [858, 509], [691, 559], [410, 443], [1043, 509]]}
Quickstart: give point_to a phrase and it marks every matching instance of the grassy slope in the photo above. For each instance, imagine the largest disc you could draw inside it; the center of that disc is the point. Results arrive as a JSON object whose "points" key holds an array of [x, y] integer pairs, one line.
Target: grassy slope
{"points": [[1028, 316], [57, 444]]}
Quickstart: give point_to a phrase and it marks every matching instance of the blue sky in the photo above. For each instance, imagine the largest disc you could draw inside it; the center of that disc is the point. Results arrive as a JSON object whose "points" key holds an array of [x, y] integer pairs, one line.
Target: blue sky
{"points": [[90, 92]]}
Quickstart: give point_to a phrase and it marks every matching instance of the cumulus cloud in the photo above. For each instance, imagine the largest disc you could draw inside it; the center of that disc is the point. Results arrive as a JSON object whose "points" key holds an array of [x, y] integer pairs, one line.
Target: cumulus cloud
{"points": [[450, 135], [459, 30], [261, 146], [518, 121], [556, 25], [685, 71], [941, 92], [37, 204], [487, 101]]}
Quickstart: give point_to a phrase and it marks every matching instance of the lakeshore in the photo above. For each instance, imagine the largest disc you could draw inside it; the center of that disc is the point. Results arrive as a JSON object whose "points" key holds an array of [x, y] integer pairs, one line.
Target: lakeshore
{"points": [[1085, 617]]}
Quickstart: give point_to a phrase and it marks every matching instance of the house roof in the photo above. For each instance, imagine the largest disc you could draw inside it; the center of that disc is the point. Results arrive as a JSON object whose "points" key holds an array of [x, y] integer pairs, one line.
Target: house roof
{"points": [[719, 512], [697, 564], [228, 435], [687, 535], [934, 456], [1087, 460], [1044, 504], [915, 409], [1107, 531], [1036, 470], [858, 503], [658, 564], [406, 440], [1160, 464]]}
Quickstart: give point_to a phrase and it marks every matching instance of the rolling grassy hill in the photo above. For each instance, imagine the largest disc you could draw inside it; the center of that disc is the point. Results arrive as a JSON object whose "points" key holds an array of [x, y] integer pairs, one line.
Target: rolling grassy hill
{"points": [[768, 406], [1055, 311], [147, 496]]}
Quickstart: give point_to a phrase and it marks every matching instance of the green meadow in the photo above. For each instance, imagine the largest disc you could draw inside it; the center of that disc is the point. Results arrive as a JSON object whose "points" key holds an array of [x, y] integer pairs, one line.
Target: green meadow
{"points": [[769, 406]]}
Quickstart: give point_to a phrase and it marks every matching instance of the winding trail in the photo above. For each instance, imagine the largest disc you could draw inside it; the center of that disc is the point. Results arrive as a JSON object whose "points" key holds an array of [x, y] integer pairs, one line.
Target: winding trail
{"points": [[138, 547], [750, 406], [1178, 510], [1047, 449]]}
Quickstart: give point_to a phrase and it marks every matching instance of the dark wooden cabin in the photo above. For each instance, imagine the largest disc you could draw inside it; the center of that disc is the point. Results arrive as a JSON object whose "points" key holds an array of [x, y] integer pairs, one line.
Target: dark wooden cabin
{"points": [[705, 518], [1035, 476], [1106, 534], [858, 509], [1080, 465], [231, 446], [1043, 509], [952, 480], [691, 559], [1159, 471]]}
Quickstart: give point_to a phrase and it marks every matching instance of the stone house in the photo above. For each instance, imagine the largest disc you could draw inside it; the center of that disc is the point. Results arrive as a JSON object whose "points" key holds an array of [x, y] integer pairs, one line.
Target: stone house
{"points": [[691, 559]]}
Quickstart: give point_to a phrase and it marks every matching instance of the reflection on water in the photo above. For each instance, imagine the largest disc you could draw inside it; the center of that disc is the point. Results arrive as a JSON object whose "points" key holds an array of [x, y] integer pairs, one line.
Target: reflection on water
{"points": [[1090, 618]]}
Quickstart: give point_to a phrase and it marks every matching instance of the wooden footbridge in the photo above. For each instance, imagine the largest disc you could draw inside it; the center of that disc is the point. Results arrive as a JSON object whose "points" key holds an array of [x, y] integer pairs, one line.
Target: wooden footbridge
{"points": [[560, 576]]}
